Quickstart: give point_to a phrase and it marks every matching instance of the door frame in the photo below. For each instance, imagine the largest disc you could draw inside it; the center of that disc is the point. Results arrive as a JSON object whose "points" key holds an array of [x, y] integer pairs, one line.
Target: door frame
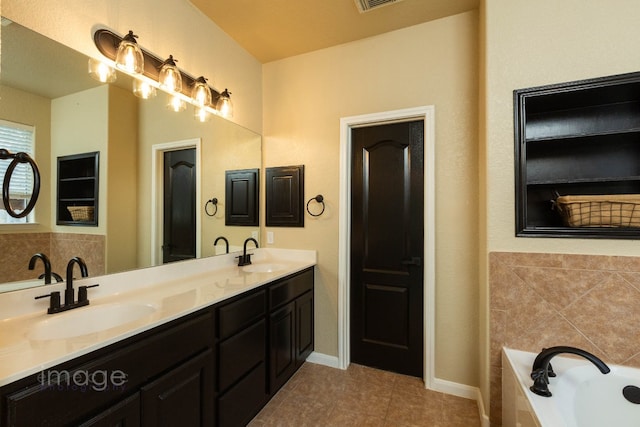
{"points": [[427, 114], [157, 194]]}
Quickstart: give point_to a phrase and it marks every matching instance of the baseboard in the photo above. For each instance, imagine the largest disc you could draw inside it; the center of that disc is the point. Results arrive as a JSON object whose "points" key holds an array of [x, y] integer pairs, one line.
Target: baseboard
{"points": [[324, 359], [462, 390], [484, 417]]}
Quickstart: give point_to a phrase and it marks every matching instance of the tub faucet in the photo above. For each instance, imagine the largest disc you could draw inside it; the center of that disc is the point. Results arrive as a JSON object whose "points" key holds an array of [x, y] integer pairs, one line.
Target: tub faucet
{"points": [[47, 266], [540, 368], [226, 242], [245, 258]]}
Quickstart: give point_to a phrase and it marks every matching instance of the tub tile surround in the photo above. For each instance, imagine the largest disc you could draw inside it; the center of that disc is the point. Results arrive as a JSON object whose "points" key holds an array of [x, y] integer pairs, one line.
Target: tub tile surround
{"points": [[18, 248], [542, 300]]}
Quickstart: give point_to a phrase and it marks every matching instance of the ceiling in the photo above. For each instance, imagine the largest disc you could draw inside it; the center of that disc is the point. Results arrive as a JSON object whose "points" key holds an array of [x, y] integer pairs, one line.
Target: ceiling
{"points": [[276, 29]]}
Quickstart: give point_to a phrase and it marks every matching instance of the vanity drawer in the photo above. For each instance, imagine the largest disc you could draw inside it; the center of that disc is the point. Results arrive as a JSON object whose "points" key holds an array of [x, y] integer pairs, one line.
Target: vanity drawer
{"points": [[290, 288], [241, 353], [240, 313]]}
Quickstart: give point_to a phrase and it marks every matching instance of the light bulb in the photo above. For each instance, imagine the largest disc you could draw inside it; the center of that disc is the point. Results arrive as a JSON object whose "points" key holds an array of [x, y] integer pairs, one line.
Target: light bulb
{"points": [[201, 94], [224, 105], [143, 89], [202, 115], [170, 77], [176, 104], [129, 56], [101, 71]]}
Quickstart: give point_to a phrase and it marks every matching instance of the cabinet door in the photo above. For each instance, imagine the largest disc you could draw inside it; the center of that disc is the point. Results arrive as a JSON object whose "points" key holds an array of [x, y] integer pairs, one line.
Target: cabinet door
{"points": [[182, 397], [304, 327], [122, 414], [283, 346]]}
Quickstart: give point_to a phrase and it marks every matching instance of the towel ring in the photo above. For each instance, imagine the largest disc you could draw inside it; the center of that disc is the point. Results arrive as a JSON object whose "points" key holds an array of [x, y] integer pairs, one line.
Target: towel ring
{"points": [[214, 202], [17, 159], [318, 199]]}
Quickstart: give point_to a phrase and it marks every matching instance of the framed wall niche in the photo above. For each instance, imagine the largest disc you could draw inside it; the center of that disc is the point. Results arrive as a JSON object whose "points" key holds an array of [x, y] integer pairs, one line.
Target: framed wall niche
{"points": [[77, 189], [576, 138], [285, 196]]}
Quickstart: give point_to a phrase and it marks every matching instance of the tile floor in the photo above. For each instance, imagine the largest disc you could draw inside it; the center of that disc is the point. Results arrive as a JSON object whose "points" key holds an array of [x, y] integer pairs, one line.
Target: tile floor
{"points": [[360, 396]]}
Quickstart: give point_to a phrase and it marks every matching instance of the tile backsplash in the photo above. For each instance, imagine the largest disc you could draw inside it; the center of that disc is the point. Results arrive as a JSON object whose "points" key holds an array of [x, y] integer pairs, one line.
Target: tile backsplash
{"points": [[543, 300], [17, 249]]}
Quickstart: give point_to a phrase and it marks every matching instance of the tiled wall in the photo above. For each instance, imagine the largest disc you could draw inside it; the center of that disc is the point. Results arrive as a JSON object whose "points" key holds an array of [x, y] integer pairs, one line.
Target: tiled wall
{"points": [[16, 250], [543, 300]]}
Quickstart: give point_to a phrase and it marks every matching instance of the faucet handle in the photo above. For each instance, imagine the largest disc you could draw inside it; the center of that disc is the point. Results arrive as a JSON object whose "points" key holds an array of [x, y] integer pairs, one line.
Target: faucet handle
{"points": [[82, 293], [54, 302]]}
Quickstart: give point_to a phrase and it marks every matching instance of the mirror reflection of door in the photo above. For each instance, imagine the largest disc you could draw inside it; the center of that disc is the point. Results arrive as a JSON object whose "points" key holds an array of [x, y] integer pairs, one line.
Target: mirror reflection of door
{"points": [[179, 224]]}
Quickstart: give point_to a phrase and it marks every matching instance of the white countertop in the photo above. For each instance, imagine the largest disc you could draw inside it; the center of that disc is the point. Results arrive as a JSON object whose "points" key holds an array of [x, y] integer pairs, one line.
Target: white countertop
{"points": [[173, 290]]}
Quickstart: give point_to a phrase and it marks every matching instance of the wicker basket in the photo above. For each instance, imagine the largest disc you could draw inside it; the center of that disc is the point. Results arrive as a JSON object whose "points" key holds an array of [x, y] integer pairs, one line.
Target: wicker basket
{"points": [[81, 213], [608, 210]]}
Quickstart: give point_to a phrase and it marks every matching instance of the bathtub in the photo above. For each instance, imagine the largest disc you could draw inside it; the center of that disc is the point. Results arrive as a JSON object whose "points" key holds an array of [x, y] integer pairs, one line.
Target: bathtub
{"points": [[582, 396]]}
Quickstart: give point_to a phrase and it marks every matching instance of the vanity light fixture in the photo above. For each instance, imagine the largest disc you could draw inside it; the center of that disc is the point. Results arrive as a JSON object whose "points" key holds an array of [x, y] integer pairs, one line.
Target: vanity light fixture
{"points": [[101, 72], [170, 77], [201, 94], [129, 56], [165, 75], [224, 105], [143, 89]]}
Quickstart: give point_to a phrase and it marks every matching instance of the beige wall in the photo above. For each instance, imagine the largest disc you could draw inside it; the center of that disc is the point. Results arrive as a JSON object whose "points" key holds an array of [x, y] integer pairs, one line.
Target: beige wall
{"points": [[164, 27], [536, 43], [120, 176], [29, 109], [530, 44], [305, 97], [79, 124]]}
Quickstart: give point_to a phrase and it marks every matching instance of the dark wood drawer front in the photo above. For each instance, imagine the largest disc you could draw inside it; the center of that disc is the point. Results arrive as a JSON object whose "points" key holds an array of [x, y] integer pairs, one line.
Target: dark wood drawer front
{"points": [[241, 353], [55, 395], [240, 313], [242, 402], [290, 288]]}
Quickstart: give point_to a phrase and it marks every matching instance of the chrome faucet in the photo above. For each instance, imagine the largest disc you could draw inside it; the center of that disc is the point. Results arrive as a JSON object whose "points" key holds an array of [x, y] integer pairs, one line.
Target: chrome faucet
{"points": [[540, 370], [47, 267], [226, 242], [69, 293], [245, 258]]}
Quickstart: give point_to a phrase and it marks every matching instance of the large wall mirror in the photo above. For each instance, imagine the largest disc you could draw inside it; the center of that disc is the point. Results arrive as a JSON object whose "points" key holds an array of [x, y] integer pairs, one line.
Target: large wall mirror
{"points": [[46, 85]]}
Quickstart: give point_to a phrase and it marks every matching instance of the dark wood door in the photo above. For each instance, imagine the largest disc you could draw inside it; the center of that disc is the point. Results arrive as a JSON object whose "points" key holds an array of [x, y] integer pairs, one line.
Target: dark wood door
{"points": [[179, 241], [387, 233]]}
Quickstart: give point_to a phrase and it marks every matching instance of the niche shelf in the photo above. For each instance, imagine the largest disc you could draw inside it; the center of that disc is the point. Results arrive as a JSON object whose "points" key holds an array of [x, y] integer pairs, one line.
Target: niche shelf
{"points": [[576, 138], [78, 187]]}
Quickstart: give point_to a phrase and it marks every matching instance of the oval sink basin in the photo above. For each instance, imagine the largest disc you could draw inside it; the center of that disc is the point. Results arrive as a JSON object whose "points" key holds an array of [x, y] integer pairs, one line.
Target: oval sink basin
{"points": [[88, 320], [263, 268]]}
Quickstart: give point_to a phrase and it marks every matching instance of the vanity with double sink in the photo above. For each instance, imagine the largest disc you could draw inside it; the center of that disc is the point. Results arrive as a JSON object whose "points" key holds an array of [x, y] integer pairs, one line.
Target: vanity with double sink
{"points": [[200, 342]]}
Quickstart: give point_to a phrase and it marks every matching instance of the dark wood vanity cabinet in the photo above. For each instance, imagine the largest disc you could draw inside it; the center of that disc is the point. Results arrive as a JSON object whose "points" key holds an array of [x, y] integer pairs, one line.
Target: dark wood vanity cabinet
{"points": [[291, 326], [166, 368], [216, 367], [265, 336], [577, 138]]}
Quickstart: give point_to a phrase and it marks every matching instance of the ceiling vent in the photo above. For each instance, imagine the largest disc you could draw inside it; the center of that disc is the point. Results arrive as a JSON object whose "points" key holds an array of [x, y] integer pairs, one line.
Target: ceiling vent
{"points": [[367, 5]]}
